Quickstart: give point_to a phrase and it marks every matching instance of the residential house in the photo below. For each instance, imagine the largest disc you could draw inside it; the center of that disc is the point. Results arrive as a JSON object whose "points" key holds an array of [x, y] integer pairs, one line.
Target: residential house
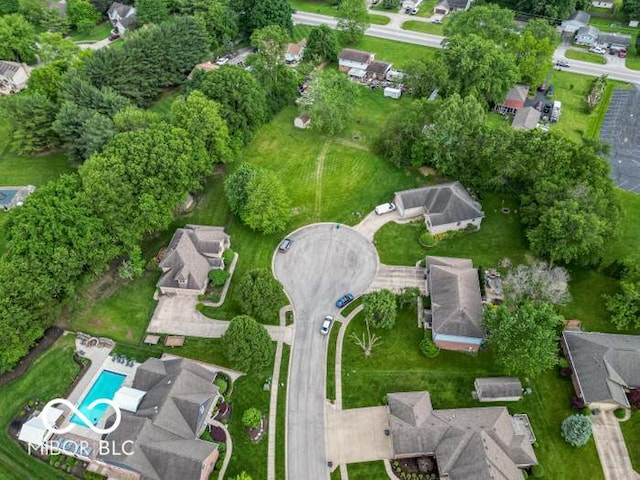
{"points": [[444, 7], [604, 366], [58, 5], [354, 60], [614, 40], [576, 21], [498, 389], [445, 207], [163, 434], [587, 35], [13, 77], [484, 443], [526, 118], [302, 121], [295, 52], [378, 70], [194, 251], [122, 17], [456, 304], [514, 101], [603, 4]]}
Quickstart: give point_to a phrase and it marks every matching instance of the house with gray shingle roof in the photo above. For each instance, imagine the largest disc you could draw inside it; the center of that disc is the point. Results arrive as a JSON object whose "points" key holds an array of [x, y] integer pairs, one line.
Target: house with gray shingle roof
{"points": [[193, 252], [122, 17], [445, 207], [163, 433], [456, 304], [604, 365], [467, 443], [578, 19]]}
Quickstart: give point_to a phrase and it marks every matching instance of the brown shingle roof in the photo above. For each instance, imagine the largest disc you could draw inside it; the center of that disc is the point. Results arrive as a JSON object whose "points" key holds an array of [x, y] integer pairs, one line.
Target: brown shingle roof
{"points": [[378, 67], [355, 55]]}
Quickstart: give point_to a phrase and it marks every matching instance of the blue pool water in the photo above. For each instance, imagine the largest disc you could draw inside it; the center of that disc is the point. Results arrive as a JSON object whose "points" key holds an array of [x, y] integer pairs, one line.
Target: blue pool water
{"points": [[106, 386], [6, 195]]}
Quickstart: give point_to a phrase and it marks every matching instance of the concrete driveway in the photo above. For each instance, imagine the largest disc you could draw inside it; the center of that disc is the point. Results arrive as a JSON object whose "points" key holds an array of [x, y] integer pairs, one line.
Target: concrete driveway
{"points": [[357, 435], [396, 278], [324, 263], [613, 453]]}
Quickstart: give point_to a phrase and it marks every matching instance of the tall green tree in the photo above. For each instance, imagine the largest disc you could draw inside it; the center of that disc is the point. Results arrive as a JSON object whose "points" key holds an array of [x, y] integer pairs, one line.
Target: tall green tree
{"points": [[533, 50], [53, 47], [132, 118], [242, 101], [48, 79], [523, 339], [247, 344], [380, 308], [631, 8], [624, 307], [259, 295], [489, 21], [151, 11], [30, 117], [478, 65], [322, 45], [423, 76], [82, 15], [235, 187], [353, 20], [201, 118], [268, 208], [17, 39], [34, 11], [222, 24], [258, 14], [332, 107]]}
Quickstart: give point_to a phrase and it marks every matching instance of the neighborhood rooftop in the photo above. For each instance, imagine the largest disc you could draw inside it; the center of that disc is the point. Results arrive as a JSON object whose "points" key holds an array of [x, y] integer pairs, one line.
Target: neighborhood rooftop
{"points": [[168, 422], [604, 364], [498, 388], [355, 55], [468, 443]]}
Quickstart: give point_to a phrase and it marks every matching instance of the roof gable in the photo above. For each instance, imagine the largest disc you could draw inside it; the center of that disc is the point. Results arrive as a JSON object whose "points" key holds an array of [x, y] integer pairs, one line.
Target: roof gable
{"points": [[357, 56]]}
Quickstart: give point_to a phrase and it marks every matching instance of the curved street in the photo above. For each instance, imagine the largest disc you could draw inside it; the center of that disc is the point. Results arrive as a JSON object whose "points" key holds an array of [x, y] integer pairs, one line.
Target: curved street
{"points": [[324, 262]]}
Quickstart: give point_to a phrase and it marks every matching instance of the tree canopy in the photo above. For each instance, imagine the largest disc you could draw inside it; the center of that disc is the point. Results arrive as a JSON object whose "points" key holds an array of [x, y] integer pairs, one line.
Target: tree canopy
{"points": [[353, 20], [380, 308], [17, 39], [322, 45], [151, 11], [82, 15], [258, 14], [247, 344], [539, 282], [259, 295], [332, 107], [523, 339]]}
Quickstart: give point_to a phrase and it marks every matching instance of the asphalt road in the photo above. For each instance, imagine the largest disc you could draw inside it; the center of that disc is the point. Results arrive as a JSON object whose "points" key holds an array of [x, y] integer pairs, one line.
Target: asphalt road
{"points": [[323, 264], [614, 71]]}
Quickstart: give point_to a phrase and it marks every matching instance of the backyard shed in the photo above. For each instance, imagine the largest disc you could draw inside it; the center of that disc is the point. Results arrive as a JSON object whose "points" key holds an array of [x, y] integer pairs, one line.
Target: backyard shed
{"points": [[527, 118], [498, 389], [302, 121], [36, 431], [392, 92]]}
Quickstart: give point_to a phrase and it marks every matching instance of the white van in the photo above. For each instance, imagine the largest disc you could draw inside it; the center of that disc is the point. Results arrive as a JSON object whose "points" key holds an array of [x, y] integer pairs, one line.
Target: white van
{"points": [[385, 208]]}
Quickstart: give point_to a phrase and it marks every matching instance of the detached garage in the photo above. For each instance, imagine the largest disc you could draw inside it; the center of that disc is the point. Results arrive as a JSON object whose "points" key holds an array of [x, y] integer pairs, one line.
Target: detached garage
{"points": [[498, 389]]}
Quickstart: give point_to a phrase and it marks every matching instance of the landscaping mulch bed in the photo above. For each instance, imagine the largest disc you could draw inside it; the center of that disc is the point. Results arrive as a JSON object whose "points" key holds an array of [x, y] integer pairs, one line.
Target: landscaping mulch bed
{"points": [[256, 434]]}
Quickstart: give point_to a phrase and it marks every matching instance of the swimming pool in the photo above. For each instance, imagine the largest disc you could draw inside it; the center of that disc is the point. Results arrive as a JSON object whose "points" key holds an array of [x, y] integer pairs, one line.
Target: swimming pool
{"points": [[105, 386]]}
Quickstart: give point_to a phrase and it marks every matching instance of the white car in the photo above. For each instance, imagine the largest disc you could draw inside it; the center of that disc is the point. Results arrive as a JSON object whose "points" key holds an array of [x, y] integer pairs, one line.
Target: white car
{"points": [[385, 208], [326, 325], [222, 61], [598, 50]]}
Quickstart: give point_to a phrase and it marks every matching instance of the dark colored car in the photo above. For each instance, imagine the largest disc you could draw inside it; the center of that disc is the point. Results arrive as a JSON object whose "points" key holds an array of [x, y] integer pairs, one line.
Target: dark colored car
{"points": [[542, 87], [343, 301], [549, 92], [538, 105], [546, 109], [113, 37], [285, 245]]}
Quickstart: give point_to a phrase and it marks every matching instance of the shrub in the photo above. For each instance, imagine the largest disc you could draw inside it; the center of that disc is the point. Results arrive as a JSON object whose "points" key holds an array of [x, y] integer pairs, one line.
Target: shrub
{"points": [[537, 471], [576, 430], [222, 385], [577, 402], [227, 256], [251, 418], [214, 297], [201, 297], [427, 240], [620, 412], [563, 363], [428, 347], [218, 277], [200, 307]]}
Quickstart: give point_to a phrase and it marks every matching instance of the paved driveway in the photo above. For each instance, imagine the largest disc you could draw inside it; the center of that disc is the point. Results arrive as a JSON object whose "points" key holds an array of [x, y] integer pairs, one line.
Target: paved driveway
{"points": [[396, 278], [323, 264], [357, 435], [612, 450]]}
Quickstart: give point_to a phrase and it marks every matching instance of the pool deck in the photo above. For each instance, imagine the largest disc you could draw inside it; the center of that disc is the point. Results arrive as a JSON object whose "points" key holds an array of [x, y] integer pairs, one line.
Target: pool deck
{"points": [[100, 361]]}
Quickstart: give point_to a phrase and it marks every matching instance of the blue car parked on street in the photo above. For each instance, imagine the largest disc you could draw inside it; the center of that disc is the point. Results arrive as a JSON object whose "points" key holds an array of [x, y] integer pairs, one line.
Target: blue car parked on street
{"points": [[342, 301]]}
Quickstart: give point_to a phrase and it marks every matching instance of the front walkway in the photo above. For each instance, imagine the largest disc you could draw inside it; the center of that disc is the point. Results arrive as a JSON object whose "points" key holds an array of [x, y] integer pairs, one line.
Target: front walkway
{"points": [[357, 435], [614, 457]]}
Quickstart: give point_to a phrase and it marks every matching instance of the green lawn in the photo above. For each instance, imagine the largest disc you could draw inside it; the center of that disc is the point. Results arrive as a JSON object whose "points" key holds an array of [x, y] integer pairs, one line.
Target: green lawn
{"points": [[331, 360], [282, 413], [585, 56], [162, 106], [99, 32], [366, 471], [424, 27], [631, 432], [397, 365], [388, 50], [500, 236], [50, 376]]}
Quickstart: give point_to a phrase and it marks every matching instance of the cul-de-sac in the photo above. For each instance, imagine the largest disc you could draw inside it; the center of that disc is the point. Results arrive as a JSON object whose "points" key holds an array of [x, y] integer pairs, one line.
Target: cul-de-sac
{"points": [[319, 239]]}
